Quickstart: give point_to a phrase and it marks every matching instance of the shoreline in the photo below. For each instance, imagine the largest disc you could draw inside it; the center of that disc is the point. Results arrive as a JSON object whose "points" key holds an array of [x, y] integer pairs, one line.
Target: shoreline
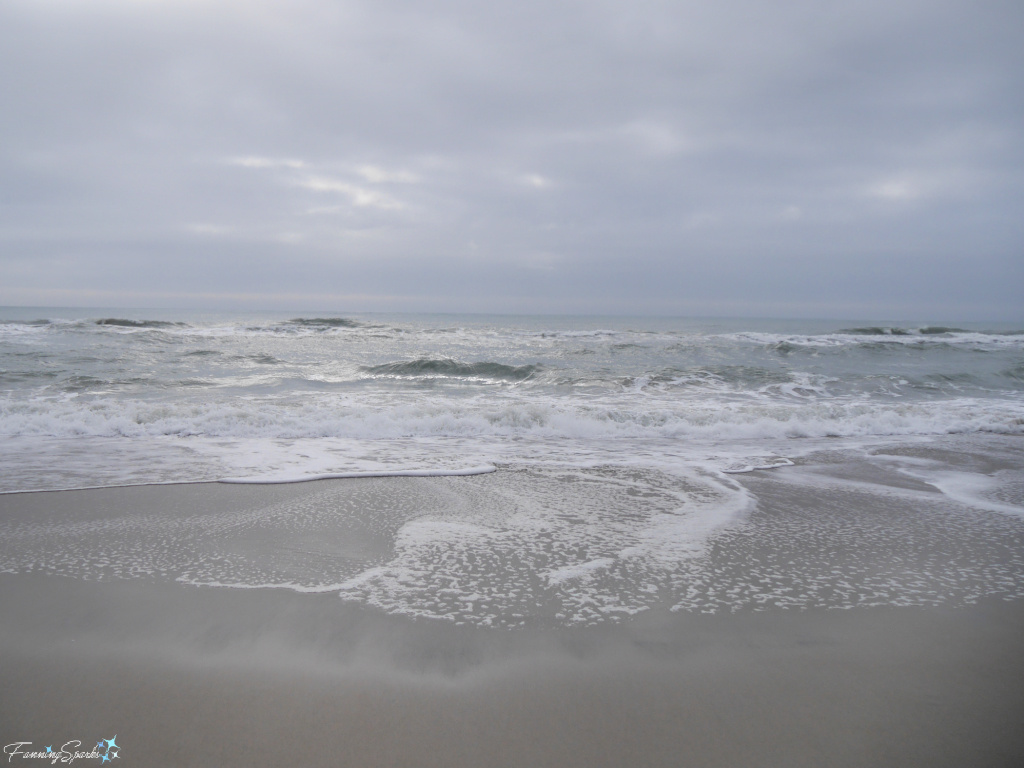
{"points": [[135, 462], [257, 480]]}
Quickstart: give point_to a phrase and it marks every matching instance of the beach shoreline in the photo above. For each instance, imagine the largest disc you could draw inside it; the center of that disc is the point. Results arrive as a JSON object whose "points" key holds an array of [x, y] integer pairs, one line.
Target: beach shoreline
{"points": [[762, 667]]}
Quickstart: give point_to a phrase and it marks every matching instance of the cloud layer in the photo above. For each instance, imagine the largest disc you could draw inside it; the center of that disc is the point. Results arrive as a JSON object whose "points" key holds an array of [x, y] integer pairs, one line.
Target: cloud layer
{"points": [[830, 159]]}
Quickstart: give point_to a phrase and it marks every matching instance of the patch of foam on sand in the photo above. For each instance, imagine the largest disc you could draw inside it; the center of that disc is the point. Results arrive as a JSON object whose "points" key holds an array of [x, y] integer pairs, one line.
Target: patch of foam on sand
{"points": [[570, 544]]}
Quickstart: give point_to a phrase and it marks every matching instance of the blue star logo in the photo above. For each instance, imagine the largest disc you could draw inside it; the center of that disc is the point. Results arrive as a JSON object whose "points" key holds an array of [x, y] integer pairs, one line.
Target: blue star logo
{"points": [[112, 743], [50, 749], [99, 744], [106, 759], [113, 755]]}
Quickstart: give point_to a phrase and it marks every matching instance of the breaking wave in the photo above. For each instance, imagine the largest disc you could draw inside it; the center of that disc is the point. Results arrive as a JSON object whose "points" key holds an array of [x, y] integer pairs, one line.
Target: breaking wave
{"points": [[326, 416]]}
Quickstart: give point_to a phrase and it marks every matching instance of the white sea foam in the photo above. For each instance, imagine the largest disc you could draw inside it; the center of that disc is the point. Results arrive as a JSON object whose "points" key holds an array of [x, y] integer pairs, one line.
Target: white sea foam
{"points": [[76, 443], [743, 467], [795, 412], [1001, 491], [570, 545], [978, 491]]}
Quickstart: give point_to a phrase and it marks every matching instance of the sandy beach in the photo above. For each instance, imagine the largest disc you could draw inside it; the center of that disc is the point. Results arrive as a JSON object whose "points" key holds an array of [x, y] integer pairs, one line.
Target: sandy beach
{"points": [[187, 675], [192, 676]]}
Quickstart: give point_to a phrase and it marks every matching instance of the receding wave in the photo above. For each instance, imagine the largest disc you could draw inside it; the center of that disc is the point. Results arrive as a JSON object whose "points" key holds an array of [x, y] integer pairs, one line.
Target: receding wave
{"points": [[325, 322], [447, 368], [293, 477], [121, 322]]}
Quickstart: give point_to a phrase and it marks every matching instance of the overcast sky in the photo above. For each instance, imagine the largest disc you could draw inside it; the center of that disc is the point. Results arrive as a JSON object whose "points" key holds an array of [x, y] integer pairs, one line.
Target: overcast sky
{"points": [[859, 159]]}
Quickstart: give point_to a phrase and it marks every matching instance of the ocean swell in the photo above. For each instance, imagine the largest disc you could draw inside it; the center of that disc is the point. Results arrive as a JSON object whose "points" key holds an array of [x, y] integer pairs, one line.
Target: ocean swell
{"points": [[429, 368]]}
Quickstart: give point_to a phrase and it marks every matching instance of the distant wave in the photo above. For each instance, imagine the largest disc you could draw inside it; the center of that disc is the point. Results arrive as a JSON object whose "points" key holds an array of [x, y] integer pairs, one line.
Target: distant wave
{"points": [[885, 330], [927, 330], [25, 322], [875, 330], [123, 323], [432, 368], [325, 322], [882, 337], [579, 334], [932, 330]]}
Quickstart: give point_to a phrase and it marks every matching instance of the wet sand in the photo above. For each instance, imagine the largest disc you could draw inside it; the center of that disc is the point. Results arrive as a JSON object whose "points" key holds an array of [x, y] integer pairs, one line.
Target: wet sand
{"points": [[195, 676], [190, 676]]}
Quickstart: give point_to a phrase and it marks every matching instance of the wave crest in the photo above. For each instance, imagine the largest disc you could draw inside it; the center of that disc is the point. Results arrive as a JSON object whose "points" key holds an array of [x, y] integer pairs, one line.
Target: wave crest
{"points": [[325, 322], [121, 322]]}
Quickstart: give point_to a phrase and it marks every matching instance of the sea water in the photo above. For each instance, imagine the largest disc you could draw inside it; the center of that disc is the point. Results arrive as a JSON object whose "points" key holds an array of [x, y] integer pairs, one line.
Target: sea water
{"points": [[620, 446]]}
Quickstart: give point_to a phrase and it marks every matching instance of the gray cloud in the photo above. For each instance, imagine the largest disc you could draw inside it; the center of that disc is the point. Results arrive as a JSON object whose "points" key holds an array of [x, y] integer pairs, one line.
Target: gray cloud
{"points": [[811, 158]]}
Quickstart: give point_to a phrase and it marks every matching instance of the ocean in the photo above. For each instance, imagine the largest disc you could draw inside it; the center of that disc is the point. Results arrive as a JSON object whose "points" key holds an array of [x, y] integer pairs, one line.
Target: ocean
{"points": [[617, 450]]}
